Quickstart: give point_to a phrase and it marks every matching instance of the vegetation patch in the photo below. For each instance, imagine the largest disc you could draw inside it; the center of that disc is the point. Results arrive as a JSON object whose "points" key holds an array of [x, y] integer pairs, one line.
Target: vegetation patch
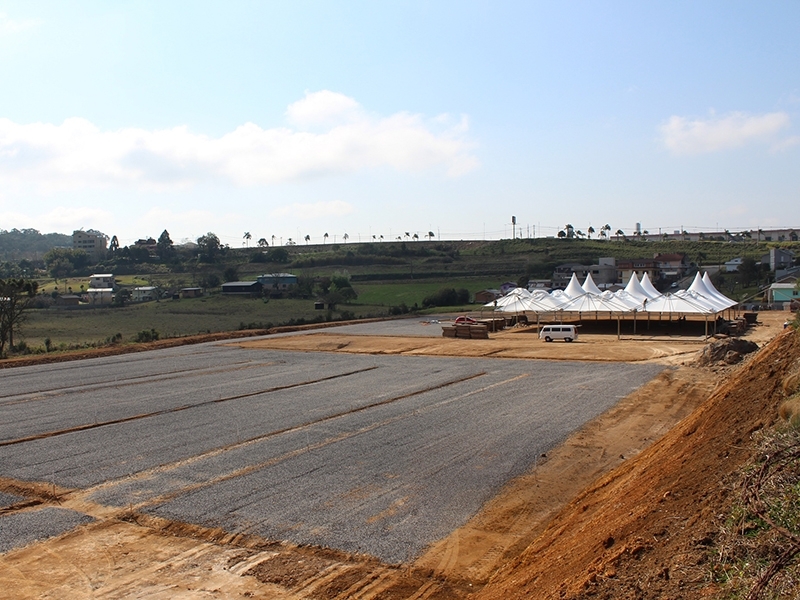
{"points": [[756, 554]]}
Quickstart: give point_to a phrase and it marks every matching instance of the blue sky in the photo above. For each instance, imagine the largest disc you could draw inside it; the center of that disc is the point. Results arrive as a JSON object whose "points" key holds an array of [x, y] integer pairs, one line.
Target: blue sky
{"points": [[297, 118]]}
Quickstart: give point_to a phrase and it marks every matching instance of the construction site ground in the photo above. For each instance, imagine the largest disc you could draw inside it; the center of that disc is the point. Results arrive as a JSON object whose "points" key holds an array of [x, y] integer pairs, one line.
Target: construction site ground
{"points": [[512, 547]]}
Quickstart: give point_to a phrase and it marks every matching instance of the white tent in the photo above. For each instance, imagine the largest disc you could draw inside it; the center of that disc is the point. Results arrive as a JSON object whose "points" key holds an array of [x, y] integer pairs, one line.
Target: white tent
{"points": [[680, 305], [699, 288], [635, 289], [716, 293], [574, 288], [649, 288], [590, 287]]}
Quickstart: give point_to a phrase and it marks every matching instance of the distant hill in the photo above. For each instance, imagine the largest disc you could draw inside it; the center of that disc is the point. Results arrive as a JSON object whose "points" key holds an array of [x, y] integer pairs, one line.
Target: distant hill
{"points": [[29, 243]]}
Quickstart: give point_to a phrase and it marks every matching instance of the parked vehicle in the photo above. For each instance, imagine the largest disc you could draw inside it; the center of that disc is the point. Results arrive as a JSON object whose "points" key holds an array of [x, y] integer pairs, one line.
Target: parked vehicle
{"points": [[548, 333]]}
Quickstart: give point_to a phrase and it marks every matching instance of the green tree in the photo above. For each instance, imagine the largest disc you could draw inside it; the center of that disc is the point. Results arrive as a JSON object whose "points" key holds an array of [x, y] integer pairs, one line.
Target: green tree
{"points": [[16, 296], [62, 262], [209, 247], [164, 247], [749, 271], [231, 274]]}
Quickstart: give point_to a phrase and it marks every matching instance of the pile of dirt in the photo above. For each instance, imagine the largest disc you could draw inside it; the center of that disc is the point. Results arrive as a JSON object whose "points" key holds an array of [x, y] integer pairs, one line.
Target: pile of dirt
{"points": [[728, 350], [647, 529]]}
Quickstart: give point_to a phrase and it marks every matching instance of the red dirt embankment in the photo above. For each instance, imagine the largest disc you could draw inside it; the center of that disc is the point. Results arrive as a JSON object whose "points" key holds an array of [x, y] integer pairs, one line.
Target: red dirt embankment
{"points": [[644, 530]]}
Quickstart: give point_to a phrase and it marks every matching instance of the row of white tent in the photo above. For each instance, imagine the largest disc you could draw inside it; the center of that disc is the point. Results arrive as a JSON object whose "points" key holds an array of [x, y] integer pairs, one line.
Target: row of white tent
{"points": [[702, 298]]}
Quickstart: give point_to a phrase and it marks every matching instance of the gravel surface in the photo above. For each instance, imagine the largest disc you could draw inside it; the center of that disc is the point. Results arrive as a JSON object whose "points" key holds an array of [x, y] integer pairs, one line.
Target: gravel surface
{"points": [[22, 528], [375, 454], [8, 499]]}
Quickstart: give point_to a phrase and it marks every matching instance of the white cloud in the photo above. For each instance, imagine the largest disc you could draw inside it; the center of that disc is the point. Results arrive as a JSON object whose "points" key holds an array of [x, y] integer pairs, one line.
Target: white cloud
{"points": [[324, 108], [77, 154], [9, 25], [61, 218], [684, 136], [314, 210]]}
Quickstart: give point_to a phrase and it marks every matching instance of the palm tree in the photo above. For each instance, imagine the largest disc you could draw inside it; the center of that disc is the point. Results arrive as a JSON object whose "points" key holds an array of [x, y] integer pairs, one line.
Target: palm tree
{"points": [[325, 237], [345, 237], [590, 231], [247, 237], [262, 242], [273, 240], [620, 233], [380, 238], [415, 237], [408, 234], [307, 239], [430, 236]]}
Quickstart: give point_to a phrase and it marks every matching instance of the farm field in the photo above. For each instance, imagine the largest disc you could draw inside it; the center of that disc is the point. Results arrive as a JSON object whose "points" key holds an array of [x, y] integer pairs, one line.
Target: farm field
{"points": [[171, 318]]}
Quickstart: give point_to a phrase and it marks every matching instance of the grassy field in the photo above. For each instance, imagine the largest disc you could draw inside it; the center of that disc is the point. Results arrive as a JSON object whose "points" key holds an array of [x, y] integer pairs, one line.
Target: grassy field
{"points": [[171, 318], [411, 292]]}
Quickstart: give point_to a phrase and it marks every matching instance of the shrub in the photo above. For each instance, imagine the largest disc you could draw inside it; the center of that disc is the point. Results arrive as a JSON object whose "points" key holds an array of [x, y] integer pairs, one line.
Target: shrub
{"points": [[147, 336], [446, 297]]}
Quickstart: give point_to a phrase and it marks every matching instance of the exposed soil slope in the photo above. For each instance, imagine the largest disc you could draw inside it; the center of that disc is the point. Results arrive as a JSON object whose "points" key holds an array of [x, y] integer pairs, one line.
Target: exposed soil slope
{"points": [[643, 531]]}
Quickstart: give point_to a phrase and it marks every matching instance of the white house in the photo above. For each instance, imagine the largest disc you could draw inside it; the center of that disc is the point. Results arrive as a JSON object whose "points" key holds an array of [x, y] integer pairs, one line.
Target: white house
{"points": [[102, 281], [100, 295], [732, 266], [144, 294]]}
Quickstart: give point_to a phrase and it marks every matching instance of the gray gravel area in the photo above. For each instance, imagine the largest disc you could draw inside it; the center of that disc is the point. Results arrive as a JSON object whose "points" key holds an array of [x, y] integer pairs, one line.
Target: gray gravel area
{"points": [[7, 500], [22, 528], [375, 454]]}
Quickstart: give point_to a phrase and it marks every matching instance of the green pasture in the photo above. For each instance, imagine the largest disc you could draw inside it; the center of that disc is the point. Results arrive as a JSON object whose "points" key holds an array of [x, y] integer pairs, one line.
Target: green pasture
{"points": [[411, 292], [171, 318]]}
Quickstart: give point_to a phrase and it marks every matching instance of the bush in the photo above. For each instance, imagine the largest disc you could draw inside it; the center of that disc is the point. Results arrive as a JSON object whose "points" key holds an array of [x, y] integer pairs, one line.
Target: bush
{"points": [[446, 297], [147, 336]]}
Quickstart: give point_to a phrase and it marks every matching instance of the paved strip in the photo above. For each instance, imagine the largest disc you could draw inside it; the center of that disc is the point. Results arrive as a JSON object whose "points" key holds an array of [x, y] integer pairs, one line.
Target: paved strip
{"points": [[22, 528], [7, 500]]}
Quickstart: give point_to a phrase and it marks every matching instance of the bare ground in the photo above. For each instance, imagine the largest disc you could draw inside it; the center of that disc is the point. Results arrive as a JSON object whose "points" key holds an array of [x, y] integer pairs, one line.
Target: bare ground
{"points": [[640, 521]]}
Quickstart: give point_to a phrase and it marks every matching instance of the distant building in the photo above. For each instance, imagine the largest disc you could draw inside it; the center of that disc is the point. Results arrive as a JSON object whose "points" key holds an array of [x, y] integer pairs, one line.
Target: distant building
{"points": [[102, 280], [732, 266], [670, 267], [100, 295], [605, 271], [486, 296], [191, 292], [782, 292], [94, 243], [563, 273], [242, 288], [148, 244], [778, 258], [68, 300], [640, 266], [277, 281], [146, 293], [540, 284]]}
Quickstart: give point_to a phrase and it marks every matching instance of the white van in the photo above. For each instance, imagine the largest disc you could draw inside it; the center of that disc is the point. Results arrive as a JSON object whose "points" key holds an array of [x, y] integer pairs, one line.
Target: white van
{"points": [[548, 333]]}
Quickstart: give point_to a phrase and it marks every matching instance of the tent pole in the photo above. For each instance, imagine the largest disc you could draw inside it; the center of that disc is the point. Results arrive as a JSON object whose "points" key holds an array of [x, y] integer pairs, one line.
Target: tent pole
{"points": [[634, 321], [618, 327]]}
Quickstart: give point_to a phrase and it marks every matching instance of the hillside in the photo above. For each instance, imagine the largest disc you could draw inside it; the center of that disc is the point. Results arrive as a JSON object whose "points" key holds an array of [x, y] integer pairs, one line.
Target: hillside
{"points": [[650, 528]]}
